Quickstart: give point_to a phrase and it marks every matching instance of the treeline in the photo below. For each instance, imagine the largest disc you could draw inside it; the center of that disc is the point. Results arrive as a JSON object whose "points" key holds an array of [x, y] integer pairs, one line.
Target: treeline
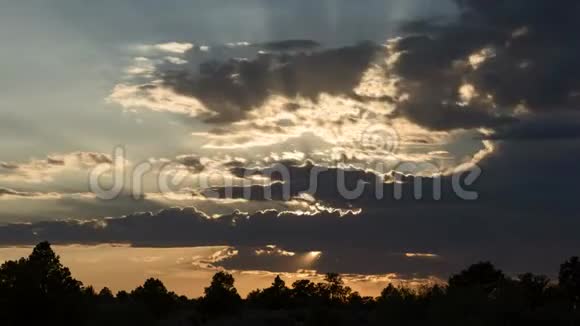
{"points": [[40, 290]]}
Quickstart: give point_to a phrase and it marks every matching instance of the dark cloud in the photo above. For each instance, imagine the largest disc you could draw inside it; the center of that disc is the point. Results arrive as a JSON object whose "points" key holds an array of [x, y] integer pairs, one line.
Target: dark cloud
{"points": [[98, 158], [531, 61], [382, 238], [344, 260], [289, 45], [232, 87], [267, 259], [369, 243], [542, 127], [334, 185], [168, 227], [191, 161], [503, 187], [54, 161], [333, 235]]}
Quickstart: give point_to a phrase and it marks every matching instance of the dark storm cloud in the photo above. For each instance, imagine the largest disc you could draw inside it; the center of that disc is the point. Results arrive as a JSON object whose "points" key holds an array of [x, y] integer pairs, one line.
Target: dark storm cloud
{"points": [[230, 88], [357, 244], [335, 236], [168, 227], [532, 61], [332, 185], [542, 127], [341, 239], [288, 45], [344, 260], [503, 186], [446, 116]]}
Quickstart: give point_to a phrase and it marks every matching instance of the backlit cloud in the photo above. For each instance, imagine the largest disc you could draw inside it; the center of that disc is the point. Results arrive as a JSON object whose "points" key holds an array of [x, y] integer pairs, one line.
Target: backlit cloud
{"points": [[348, 97], [42, 170]]}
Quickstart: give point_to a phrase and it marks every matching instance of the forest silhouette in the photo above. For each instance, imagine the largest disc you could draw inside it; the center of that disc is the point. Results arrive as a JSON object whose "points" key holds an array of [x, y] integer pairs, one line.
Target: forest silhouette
{"points": [[39, 290]]}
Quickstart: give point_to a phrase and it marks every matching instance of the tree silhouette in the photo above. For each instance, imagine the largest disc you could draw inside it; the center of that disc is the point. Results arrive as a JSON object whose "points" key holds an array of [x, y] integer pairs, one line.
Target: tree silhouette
{"points": [[303, 292], [122, 296], [42, 283], [482, 276], [334, 290], [221, 297], [569, 280], [155, 297], [277, 296], [105, 295], [39, 286], [46, 270], [397, 305], [534, 288]]}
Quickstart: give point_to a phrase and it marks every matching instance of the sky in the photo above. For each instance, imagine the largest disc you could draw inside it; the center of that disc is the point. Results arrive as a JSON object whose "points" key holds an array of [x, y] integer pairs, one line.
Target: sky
{"points": [[391, 141]]}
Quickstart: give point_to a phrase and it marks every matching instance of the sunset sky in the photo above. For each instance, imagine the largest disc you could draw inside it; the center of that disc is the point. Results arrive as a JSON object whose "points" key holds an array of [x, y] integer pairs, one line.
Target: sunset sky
{"points": [[388, 140]]}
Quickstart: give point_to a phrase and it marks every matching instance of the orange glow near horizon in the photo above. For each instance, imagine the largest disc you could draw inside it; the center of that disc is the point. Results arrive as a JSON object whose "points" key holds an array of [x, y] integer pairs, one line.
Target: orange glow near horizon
{"points": [[186, 271]]}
